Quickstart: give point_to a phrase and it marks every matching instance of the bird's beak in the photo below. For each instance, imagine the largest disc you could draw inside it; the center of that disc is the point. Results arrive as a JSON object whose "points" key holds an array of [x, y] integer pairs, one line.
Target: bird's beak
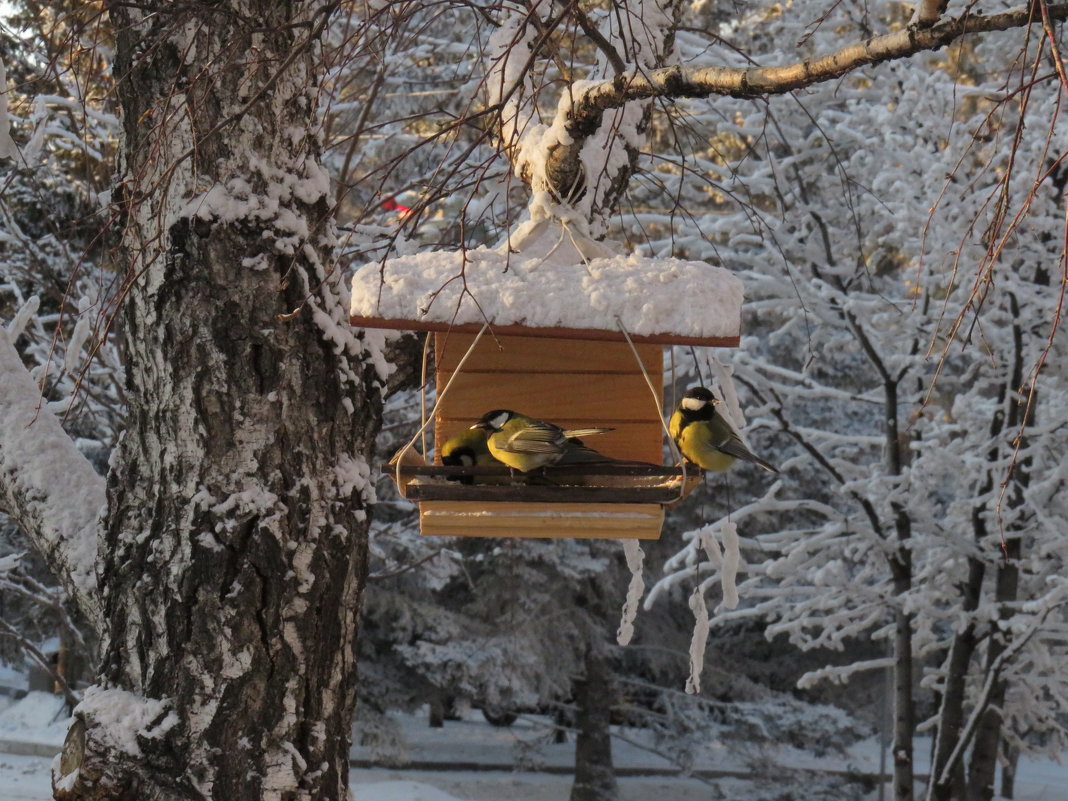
{"points": [[478, 425]]}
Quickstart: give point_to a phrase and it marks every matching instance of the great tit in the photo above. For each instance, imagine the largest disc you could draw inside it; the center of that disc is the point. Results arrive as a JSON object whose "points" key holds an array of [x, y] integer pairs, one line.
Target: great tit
{"points": [[466, 449], [704, 437], [526, 444]]}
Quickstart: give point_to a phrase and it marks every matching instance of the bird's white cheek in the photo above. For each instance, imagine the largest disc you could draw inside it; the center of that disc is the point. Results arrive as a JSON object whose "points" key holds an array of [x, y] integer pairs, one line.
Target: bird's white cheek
{"points": [[693, 404]]}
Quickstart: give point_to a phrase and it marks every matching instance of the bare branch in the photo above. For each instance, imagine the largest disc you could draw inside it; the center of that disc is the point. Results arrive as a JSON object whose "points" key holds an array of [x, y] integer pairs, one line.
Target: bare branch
{"points": [[679, 82]]}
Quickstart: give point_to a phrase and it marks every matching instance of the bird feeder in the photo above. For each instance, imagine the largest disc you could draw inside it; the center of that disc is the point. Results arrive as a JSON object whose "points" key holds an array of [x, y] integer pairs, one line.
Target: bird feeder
{"points": [[558, 328]]}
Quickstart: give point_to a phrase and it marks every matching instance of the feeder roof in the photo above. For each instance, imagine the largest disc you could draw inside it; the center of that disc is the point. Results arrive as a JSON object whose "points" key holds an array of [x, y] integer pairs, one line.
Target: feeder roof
{"points": [[557, 285]]}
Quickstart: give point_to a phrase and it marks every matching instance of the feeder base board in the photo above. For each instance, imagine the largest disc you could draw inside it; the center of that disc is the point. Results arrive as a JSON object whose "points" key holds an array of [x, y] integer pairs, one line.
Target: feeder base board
{"points": [[609, 521]]}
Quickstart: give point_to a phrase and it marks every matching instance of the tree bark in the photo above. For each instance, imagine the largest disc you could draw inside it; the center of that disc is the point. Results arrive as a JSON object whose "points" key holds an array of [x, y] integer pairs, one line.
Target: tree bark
{"points": [[234, 548], [595, 778]]}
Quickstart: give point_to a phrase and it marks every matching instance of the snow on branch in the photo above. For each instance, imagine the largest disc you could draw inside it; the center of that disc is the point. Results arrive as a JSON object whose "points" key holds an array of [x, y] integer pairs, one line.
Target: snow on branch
{"points": [[589, 105], [46, 485]]}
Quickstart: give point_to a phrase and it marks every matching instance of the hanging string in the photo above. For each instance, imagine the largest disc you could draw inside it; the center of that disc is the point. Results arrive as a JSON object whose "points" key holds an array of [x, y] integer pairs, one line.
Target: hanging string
{"points": [[656, 404], [399, 455], [422, 389], [674, 400]]}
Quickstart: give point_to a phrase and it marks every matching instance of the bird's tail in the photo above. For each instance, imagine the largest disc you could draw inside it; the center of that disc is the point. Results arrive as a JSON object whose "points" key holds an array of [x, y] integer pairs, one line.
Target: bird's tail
{"points": [[585, 432]]}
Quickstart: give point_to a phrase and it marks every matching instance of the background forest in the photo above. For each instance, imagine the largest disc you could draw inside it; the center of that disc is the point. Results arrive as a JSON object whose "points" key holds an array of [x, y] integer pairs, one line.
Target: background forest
{"points": [[901, 233]]}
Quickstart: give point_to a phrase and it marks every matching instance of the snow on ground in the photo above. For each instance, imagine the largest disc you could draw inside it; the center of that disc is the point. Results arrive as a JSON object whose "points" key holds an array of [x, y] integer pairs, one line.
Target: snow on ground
{"points": [[468, 760], [38, 718]]}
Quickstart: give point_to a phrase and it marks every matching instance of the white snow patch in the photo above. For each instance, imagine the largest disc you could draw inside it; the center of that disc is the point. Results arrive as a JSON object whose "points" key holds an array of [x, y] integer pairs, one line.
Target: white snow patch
{"points": [[36, 717], [404, 791], [49, 479], [123, 716], [553, 286]]}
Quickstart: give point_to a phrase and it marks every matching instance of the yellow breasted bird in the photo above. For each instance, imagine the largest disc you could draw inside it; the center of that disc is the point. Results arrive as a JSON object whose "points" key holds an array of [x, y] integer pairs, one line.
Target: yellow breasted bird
{"points": [[467, 449], [526, 444], [704, 437]]}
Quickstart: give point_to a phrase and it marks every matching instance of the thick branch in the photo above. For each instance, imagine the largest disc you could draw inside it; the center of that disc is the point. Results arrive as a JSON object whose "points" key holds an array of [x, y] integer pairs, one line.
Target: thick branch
{"points": [[47, 486], [677, 82]]}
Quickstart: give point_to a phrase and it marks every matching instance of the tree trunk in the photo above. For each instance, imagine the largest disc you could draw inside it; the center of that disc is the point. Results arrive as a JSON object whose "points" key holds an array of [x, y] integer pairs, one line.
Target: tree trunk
{"points": [[951, 711], [235, 544], [984, 757], [1008, 772], [1018, 415], [901, 571], [595, 776]]}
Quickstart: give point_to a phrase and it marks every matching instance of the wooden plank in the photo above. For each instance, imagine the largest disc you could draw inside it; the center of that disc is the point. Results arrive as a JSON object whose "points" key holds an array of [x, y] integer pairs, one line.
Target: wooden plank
{"points": [[531, 354], [579, 469], [594, 334], [551, 396], [550, 497], [608, 521], [630, 440]]}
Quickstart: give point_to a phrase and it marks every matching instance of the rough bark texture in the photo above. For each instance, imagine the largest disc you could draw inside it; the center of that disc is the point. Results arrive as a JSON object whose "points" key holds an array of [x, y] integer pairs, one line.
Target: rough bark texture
{"points": [[235, 545]]}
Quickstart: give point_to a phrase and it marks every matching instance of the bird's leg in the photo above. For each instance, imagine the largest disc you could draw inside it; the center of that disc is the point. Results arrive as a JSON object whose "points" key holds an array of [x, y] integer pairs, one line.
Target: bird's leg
{"points": [[543, 477]]}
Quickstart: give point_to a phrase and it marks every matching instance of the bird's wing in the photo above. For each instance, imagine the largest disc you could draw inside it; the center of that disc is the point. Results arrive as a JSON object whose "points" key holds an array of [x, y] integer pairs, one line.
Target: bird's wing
{"points": [[675, 425], [534, 437], [734, 447]]}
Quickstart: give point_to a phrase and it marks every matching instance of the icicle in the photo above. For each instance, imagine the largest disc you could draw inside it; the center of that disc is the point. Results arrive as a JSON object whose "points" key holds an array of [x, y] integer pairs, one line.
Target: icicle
{"points": [[732, 558], [31, 151], [22, 318], [699, 640], [8, 148], [710, 546], [78, 337], [632, 549], [723, 374]]}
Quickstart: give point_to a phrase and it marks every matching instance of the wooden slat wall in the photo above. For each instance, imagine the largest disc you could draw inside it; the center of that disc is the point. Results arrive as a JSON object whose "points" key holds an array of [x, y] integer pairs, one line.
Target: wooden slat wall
{"points": [[574, 384], [508, 519]]}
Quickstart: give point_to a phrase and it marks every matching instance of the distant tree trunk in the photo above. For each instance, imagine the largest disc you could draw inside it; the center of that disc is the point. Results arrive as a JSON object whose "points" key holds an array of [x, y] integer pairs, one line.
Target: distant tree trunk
{"points": [[984, 757], [951, 713], [1008, 772], [234, 549], [595, 776], [901, 571], [1018, 415]]}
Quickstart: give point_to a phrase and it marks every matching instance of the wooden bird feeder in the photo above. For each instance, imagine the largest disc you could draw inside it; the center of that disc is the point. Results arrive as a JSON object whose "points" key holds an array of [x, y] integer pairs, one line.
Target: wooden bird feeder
{"points": [[556, 349]]}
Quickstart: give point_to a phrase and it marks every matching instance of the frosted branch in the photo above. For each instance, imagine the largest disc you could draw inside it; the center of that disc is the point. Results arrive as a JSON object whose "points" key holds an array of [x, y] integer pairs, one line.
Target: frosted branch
{"points": [[46, 484], [586, 113]]}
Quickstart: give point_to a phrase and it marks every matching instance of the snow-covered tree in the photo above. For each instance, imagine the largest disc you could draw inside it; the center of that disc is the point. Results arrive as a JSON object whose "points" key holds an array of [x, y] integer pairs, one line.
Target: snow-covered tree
{"points": [[225, 569], [898, 352]]}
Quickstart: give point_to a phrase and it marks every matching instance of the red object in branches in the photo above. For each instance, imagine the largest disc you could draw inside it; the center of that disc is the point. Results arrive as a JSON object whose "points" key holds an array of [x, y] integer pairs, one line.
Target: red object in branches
{"points": [[391, 204]]}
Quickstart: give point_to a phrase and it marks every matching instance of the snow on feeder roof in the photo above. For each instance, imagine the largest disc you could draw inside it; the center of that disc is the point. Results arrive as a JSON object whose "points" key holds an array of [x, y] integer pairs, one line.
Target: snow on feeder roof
{"points": [[557, 285]]}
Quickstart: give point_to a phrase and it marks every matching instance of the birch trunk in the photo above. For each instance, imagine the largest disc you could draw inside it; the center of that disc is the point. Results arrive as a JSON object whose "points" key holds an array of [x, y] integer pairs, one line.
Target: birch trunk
{"points": [[234, 549]]}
